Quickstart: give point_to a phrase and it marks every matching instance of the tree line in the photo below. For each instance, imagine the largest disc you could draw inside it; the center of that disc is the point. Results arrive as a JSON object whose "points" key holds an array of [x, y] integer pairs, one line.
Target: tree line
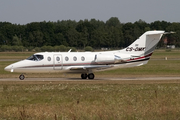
{"points": [[68, 33]]}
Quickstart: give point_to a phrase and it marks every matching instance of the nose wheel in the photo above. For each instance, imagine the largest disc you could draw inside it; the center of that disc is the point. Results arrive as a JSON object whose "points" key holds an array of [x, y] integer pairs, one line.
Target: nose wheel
{"points": [[21, 77]]}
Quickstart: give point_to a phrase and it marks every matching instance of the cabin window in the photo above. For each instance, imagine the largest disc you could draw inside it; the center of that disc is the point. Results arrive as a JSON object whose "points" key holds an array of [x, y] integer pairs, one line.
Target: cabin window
{"points": [[49, 58], [57, 58], [74, 58], [66, 58], [82, 58], [36, 57]]}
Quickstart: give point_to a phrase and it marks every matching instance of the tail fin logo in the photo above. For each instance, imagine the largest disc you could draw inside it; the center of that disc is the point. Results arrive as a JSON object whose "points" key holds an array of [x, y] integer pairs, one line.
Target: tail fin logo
{"points": [[135, 49]]}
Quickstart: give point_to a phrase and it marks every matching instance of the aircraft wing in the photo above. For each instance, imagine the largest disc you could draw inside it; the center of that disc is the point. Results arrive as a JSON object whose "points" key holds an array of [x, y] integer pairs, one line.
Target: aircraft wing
{"points": [[98, 67]]}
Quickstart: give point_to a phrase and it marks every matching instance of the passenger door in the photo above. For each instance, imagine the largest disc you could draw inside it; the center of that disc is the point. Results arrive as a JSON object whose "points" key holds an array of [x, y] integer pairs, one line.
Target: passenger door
{"points": [[57, 62]]}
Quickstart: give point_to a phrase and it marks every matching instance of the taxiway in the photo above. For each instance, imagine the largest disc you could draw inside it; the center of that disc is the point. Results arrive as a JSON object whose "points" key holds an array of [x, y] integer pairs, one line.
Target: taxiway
{"points": [[78, 79]]}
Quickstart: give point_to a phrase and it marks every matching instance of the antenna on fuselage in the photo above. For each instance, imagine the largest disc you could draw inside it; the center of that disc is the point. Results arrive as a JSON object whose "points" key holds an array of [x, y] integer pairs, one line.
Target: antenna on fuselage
{"points": [[70, 50]]}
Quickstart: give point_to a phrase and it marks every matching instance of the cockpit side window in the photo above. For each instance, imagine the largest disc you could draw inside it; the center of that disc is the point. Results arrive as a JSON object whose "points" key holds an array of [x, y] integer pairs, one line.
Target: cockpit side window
{"points": [[36, 57], [40, 57]]}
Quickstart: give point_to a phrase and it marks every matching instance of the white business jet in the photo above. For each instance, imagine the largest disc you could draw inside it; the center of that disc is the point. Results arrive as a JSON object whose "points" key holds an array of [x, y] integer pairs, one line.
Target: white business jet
{"points": [[137, 54]]}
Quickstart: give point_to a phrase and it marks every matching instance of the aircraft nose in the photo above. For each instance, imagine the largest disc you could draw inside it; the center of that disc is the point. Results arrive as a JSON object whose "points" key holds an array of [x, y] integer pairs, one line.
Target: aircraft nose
{"points": [[9, 68]]}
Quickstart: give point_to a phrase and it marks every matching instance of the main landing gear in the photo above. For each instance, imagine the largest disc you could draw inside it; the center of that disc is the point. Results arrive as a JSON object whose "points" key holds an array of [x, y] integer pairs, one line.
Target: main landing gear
{"points": [[89, 76], [21, 77]]}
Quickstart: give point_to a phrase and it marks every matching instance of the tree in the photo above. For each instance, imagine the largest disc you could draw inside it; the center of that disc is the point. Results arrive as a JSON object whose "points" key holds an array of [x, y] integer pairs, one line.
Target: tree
{"points": [[113, 21], [60, 40], [96, 33], [2, 39], [16, 41], [174, 39], [36, 39], [72, 37], [128, 34], [98, 38], [88, 48]]}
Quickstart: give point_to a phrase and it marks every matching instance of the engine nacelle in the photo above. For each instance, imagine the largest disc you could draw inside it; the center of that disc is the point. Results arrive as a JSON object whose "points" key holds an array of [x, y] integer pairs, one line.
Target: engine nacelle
{"points": [[104, 58]]}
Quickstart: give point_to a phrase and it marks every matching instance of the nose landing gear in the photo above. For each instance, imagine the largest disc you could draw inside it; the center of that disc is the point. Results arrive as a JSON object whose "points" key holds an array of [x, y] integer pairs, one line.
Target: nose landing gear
{"points": [[21, 77]]}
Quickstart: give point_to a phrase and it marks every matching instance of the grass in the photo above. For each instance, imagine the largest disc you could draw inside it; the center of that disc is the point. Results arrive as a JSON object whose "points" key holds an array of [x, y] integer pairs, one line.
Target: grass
{"points": [[90, 100], [161, 54]]}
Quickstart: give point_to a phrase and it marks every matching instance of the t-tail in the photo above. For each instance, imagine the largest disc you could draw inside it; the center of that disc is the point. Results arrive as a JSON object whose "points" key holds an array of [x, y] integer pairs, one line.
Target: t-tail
{"points": [[143, 47]]}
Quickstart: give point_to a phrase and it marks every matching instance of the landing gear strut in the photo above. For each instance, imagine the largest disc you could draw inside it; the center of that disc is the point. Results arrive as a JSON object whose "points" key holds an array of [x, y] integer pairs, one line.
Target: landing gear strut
{"points": [[21, 77], [89, 76]]}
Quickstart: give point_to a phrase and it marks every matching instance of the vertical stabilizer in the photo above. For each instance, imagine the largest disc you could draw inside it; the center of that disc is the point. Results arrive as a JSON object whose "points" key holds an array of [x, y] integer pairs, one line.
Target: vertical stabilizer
{"points": [[145, 44]]}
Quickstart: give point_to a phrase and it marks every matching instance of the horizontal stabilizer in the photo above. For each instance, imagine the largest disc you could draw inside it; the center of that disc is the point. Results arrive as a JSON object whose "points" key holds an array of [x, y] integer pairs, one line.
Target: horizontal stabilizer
{"points": [[169, 32]]}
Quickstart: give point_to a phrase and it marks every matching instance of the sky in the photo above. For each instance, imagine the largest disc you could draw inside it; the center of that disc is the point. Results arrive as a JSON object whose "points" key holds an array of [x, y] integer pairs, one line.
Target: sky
{"points": [[27, 11]]}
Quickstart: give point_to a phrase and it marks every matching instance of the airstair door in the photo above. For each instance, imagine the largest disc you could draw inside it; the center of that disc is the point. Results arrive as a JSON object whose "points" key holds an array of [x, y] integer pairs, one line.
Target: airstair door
{"points": [[58, 62]]}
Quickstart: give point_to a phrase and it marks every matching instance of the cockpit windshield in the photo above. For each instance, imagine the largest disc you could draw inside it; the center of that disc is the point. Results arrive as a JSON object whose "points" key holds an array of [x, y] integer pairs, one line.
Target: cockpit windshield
{"points": [[36, 57]]}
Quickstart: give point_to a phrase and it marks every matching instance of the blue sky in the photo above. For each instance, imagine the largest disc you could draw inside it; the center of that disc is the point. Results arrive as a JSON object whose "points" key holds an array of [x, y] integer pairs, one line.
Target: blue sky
{"points": [[26, 11]]}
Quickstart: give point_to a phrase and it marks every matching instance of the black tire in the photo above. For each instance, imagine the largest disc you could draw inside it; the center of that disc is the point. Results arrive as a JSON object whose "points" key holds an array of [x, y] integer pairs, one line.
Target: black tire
{"points": [[84, 76], [91, 76], [21, 77]]}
